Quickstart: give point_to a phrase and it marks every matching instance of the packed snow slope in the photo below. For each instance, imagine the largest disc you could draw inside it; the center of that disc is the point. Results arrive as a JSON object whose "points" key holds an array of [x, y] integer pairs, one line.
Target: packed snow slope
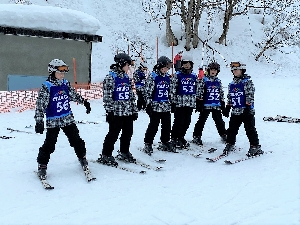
{"points": [[260, 191]]}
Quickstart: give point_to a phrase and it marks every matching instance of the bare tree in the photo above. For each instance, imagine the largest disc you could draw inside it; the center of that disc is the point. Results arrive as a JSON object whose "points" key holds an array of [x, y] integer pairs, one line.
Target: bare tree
{"points": [[171, 39], [283, 30], [232, 8], [190, 17], [189, 12]]}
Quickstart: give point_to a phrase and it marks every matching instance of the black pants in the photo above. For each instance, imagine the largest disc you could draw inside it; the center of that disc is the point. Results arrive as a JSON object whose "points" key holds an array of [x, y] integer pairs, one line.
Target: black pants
{"points": [[72, 133], [249, 125], [182, 121], [141, 103], [120, 123], [155, 119], [217, 117]]}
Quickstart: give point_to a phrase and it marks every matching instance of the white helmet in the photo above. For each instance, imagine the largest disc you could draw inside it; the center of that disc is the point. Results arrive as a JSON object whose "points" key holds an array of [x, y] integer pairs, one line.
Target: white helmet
{"points": [[144, 64], [186, 58], [237, 66], [54, 65]]}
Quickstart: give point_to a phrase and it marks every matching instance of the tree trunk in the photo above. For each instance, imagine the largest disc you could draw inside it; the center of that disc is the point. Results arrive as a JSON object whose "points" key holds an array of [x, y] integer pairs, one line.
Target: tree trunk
{"points": [[227, 18], [198, 13], [169, 33], [189, 25]]}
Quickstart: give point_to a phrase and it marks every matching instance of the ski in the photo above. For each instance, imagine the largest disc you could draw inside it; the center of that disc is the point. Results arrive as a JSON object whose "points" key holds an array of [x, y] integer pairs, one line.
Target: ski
{"points": [[121, 167], [44, 182], [229, 162], [6, 137], [217, 158], [280, 118], [140, 163], [21, 131], [88, 175], [152, 157], [87, 122], [211, 150]]}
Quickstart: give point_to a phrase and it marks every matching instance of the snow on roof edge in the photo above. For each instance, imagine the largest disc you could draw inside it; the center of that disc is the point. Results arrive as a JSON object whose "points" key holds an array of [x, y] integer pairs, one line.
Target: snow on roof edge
{"points": [[48, 18]]}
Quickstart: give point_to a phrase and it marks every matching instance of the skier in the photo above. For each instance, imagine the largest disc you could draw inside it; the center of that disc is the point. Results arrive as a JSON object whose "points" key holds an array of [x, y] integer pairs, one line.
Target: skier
{"points": [[211, 100], [159, 89], [187, 88], [121, 111], [177, 61], [139, 77], [54, 99], [241, 99]]}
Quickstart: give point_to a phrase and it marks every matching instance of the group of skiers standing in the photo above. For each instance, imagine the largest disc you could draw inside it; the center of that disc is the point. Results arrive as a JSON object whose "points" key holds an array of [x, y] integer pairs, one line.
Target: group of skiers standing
{"points": [[159, 94]]}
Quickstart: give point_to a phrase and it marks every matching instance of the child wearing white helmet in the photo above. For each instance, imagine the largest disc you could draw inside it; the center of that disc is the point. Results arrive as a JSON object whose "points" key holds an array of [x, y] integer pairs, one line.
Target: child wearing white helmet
{"points": [[54, 100], [240, 99], [187, 91]]}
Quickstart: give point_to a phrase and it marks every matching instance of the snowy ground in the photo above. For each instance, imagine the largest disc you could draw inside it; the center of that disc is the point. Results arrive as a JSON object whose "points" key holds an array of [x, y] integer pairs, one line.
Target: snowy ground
{"points": [[262, 191]]}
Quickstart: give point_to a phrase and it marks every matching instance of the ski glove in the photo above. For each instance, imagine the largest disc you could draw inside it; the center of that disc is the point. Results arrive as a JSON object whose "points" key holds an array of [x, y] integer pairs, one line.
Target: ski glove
{"points": [[109, 117], [226, 111], [149, 110], [173, 107], [87, 106], [199, 105], [135, 116], [39, 127]]}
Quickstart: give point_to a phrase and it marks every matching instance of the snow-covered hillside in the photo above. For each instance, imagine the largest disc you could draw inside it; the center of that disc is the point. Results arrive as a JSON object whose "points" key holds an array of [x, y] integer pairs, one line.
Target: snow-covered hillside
{"points": [[261, 191]]}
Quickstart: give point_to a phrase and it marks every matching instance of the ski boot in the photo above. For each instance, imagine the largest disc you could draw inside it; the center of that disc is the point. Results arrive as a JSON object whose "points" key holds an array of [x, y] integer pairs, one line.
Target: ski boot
{"points": [[197, 140], [42, 171], [83, 162], [223, 138], [148, 149], [107, 160], [127, 157], [228, 148], [254, 150], [168, 146], [181, 143]]}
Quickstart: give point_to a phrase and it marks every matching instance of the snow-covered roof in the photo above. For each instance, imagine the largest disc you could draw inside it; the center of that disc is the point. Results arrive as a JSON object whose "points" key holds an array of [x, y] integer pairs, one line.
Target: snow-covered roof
{"points": [[48, 18]]}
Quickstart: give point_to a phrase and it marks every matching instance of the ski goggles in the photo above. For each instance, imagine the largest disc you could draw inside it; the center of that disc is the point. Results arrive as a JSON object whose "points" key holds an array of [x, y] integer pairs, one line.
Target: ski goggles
{"points": [[62, 69], [237, 66]]}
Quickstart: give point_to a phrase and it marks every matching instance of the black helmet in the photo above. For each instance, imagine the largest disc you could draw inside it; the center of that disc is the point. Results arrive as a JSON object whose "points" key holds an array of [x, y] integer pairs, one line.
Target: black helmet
{"points": [[121, 59], [163, 61], [213, 65]]}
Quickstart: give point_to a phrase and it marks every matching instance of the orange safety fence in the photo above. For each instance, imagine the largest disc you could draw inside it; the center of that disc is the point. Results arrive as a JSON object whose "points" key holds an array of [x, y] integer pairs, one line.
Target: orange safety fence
{"points": [[23, 100]]}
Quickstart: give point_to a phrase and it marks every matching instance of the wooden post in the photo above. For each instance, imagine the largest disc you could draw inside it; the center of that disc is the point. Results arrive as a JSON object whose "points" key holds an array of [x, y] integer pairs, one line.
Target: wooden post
{"points": [[172, 57], [156, 48], [75, 75]]}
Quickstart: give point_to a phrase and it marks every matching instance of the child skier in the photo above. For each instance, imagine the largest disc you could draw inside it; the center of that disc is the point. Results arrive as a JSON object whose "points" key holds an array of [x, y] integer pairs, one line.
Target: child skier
{"points": [[211, 101], [241, 99], [121, 111], [54, 99], [139, 77], [187, 89], [159, 89]]}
